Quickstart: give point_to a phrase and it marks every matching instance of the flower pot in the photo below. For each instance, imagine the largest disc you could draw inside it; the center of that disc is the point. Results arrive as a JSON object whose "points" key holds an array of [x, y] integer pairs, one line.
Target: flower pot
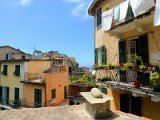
{"points": [[134, 68], [143, 69], [136, 84]]}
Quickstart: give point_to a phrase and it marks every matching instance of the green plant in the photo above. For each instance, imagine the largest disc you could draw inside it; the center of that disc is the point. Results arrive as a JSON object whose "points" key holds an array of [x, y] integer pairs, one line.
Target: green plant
{"points": [[142, 67], [128, 64], [134, 58], [73, 80], [106, 7], [154, 79]]}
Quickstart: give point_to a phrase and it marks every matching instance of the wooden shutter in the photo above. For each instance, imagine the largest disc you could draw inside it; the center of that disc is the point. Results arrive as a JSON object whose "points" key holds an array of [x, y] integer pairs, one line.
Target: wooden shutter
{"points": [[7, 94], [103, 55], [0, 93], [96, 56], [130, 13], [142, 48], [122, 52]]}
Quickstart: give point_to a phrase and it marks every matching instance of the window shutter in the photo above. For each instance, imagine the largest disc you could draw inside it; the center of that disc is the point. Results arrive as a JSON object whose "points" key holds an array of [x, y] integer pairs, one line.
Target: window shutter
{"points": [[7, 94], [0, 93], [103, 55], [96, 56], [130, 13], [122, 52], [142, 48]]}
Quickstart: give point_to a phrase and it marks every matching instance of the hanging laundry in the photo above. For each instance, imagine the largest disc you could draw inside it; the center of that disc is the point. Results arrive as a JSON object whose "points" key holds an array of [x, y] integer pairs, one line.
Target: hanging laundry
{"points": [[157, 14], [123, 10], [117, 13], [130, 13], [141, 6], [107, 18]]}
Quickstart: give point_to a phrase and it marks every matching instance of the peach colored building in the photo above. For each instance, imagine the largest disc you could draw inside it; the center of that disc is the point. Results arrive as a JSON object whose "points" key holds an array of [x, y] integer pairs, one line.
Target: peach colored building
{"points": [[46, 89]]}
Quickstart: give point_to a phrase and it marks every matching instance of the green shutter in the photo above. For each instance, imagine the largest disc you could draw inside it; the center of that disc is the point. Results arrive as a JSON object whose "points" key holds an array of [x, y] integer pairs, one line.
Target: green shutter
{"points": [[122, 52], [103, 54], [53, 93], [130, 13], [96, 56]]}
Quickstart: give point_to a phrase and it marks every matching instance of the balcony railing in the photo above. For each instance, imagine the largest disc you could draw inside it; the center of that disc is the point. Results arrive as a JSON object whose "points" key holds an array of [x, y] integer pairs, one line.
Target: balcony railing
{"points": [[33, 76], [11, 104], [119, 78]]}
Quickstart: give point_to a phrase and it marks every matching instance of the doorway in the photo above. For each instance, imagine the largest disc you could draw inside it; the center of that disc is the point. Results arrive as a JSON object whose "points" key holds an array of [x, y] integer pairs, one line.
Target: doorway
{"points": [[37, 98]]}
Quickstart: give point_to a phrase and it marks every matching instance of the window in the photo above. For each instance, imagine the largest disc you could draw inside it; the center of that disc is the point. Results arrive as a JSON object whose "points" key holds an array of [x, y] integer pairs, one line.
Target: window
{"points": [[7, 56], [99, 18], [17, 70], [103, 55], [53, 95], [5, 69], [23, 58]]}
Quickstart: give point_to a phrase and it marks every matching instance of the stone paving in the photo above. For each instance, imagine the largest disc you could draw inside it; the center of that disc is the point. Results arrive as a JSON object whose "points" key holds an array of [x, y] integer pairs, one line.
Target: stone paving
{"points": [[76, 112]]}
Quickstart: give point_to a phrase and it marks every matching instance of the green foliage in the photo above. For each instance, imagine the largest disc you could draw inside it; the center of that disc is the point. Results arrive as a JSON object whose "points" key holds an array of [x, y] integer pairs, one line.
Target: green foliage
{"points": [[142, 67], [128, 64], [73, 80], [154, 79], [106, 7], [85, 78], [134, 58]]}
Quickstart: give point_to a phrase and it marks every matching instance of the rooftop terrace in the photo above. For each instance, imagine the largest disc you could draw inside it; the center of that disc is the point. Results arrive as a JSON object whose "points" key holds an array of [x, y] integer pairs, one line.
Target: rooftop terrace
{"points": [[59, 113]]}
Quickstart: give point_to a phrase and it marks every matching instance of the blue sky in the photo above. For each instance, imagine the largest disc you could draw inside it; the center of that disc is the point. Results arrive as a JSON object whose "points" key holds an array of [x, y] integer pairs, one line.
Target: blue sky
{"points": [[61, 25]]}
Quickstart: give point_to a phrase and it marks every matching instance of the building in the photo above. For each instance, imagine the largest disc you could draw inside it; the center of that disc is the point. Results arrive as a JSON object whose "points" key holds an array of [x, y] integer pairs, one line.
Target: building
{"points": [[46, 89], [14, 71], [123, 28], [57, 58], [10, 53]]}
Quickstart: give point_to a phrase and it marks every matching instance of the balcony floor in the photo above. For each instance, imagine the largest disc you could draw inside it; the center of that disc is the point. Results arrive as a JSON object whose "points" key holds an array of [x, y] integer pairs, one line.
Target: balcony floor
{"points": [[59, 113]]}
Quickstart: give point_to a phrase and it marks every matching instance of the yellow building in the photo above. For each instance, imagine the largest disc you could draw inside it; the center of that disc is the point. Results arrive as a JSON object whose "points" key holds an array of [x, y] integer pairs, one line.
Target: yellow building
{"points": [[123, 28], [14, 71]]}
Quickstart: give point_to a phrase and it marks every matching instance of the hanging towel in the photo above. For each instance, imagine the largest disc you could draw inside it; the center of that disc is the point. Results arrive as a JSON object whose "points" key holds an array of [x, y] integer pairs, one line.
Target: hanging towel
{"points": [[157, 14], [123, 10], [141, 6], [107, 18], [117, 13]]}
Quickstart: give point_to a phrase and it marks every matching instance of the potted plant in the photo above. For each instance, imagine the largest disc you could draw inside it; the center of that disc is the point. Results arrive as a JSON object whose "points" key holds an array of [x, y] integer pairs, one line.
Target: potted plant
{"points": [[154, 81], [128, 65], [106, 8], [136, 84], [143, 68]]}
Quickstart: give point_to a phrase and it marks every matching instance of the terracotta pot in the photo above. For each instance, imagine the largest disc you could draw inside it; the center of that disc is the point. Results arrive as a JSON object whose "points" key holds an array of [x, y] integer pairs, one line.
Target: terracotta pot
{"points": [[136, 84], [134, 68]]}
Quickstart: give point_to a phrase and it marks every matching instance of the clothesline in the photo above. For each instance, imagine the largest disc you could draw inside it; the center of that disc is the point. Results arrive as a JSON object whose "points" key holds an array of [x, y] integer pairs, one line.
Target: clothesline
{"points": [[129, 9]]}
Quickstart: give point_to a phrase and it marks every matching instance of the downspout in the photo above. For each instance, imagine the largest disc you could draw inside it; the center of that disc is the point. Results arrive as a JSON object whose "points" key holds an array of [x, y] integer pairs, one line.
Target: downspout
{"points": [[45, 97]]}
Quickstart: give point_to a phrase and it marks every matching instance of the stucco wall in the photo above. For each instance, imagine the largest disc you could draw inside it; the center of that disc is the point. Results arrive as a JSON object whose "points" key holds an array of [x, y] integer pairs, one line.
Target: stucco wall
{"points": [[29, 93], [37, 66], [11, 80], [149, 109], [56, 81]]}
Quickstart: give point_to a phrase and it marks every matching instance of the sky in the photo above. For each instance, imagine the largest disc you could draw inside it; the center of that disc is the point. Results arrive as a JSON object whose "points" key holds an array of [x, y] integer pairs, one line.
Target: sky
{"points": [[58, 25]]}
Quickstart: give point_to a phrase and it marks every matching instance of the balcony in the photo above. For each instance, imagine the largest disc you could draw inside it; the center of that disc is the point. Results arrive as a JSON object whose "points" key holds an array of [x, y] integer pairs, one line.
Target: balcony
{"points": [[135, 81], [34, 78], [128, 16]]}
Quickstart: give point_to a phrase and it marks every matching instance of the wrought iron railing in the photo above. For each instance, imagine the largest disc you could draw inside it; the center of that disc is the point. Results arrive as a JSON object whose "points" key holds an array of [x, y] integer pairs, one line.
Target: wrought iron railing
{"points": [[123, 78]]}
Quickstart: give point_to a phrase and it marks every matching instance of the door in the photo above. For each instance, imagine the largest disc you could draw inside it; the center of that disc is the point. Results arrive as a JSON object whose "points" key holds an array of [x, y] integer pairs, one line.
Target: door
{"points": [[16, 94], [124, 103], [136, 105], [37, 98]]}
